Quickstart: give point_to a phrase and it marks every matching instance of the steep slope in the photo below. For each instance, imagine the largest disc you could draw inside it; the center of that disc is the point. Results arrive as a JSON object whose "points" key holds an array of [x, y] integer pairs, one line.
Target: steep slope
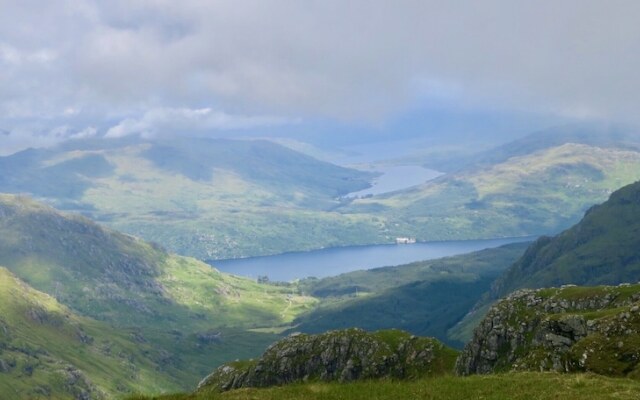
{"points": [[603, 248], [595, 329], [48, 351], [195, 314], [425, 298]]}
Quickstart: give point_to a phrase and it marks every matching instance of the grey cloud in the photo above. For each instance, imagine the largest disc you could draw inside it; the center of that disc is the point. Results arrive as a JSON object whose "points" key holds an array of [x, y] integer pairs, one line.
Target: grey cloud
{"points": [[356, 60], [166, 121]]}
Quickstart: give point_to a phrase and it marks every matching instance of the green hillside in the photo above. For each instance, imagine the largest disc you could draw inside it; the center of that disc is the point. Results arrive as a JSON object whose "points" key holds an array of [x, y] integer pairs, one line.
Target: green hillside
{"points": [[196, 315], [601, 249], [209, 198], [602, 135], [214, 199], [47, 350], [537, 193]]}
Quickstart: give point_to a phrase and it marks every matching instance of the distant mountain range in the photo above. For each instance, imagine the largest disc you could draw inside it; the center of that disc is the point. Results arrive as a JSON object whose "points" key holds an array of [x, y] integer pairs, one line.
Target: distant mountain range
{"points": [[216, 198]]}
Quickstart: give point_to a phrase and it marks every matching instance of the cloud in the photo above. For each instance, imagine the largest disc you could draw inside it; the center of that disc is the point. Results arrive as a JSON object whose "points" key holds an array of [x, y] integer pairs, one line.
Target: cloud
{"points": [[32, 135], [358, 60], [166, 121]]}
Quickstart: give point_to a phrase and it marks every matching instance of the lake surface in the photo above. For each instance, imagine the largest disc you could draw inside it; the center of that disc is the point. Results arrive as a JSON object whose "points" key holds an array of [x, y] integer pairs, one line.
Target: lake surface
{"points": [[338, 260], [396, 178]]}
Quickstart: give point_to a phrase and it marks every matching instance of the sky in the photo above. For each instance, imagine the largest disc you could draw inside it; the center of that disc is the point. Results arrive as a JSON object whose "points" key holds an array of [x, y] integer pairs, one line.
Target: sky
{"points": [[82, 68]]}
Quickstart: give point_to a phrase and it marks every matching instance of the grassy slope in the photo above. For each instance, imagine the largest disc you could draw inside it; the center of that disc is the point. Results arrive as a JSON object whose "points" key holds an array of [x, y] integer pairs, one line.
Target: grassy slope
{"points": [[173, 302], [531, 194], [426, 298], [600, 249], [47, 349], [524, 386]]}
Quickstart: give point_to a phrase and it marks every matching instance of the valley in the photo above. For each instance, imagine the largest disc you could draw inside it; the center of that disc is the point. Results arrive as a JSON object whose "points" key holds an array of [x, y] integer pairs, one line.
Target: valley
{"points": [[96, 298], [199, 198]]}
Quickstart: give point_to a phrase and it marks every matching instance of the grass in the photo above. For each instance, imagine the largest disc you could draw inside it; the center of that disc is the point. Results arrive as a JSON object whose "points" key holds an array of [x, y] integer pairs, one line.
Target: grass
{"points": [[511, 386], [42, 341], [600, 249]]}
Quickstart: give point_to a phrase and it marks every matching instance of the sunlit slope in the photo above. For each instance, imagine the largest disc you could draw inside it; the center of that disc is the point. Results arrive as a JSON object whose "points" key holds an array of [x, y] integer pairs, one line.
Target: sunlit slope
{"points": [[47, 350], [533, 194], [197, 315]]}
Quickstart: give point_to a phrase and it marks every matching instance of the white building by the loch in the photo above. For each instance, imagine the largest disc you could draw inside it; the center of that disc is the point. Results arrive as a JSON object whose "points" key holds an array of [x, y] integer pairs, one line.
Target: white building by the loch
{"points": [[405, 240]]}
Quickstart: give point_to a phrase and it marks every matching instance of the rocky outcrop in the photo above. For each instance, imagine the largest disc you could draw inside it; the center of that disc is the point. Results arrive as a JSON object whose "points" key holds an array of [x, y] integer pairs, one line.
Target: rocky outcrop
{"points": [[344, 355], [573, 328]]}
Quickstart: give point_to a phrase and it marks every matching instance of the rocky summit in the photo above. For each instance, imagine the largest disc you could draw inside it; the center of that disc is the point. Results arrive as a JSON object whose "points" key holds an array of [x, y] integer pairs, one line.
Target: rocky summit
{"points": [[343, 355], [594, 329]]}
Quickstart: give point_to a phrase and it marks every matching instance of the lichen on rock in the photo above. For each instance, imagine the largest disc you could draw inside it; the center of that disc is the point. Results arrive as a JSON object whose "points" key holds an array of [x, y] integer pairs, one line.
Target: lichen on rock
{"points": [[343, 355], [568, 329]]}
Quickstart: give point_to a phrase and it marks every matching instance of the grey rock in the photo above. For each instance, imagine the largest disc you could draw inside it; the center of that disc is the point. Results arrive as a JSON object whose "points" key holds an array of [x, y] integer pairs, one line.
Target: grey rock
{"points": [[341, 356]]}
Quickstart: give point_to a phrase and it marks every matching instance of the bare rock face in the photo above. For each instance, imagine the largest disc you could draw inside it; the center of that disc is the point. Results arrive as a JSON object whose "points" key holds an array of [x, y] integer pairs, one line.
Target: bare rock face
{"points": [[344, 355], [573, 328]]}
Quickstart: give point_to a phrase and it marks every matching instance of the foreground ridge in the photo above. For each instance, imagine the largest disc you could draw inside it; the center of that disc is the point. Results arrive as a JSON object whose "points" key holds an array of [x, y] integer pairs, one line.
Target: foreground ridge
{"points": [[344, 355], [594, 329]]}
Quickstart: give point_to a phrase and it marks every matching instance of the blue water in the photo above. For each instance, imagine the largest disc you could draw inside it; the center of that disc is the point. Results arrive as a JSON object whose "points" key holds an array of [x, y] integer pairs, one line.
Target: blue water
{"points": [[337, 260], [396, 178]]}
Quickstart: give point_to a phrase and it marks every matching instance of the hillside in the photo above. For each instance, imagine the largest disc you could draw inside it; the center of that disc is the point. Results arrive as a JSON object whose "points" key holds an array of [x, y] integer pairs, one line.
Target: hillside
{"points": [[209, 198], [215, 199], [594, 134], [592, 329], [198, 316], [425, 298], [601, 249], [537, 193], [47, 350]]}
